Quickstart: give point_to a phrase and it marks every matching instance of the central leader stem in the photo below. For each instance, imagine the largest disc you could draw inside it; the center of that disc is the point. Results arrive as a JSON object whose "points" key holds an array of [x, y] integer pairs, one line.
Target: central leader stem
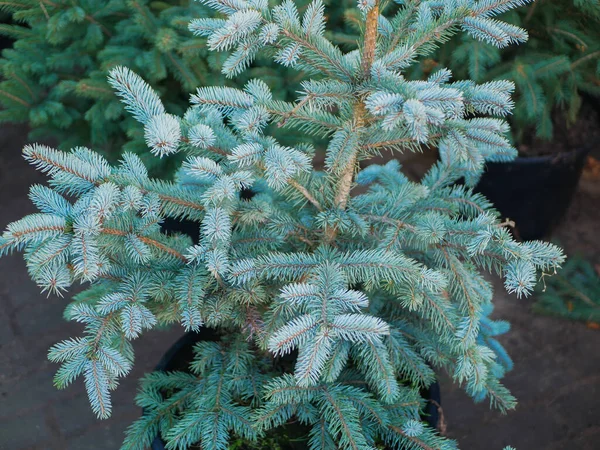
{"points": [[360, 111]]}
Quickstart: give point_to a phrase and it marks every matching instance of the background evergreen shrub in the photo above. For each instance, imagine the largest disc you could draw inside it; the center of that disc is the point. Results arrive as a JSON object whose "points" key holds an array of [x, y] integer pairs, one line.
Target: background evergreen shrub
{"points": [[558, 66]]}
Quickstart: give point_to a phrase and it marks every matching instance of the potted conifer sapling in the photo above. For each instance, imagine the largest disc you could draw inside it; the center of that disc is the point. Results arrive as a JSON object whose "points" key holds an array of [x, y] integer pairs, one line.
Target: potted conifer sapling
{"points": [[321, 313]]}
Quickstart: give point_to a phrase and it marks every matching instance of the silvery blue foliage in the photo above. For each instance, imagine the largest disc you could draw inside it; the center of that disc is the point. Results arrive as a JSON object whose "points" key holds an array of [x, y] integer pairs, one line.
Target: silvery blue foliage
{"points": [[364, 294]]}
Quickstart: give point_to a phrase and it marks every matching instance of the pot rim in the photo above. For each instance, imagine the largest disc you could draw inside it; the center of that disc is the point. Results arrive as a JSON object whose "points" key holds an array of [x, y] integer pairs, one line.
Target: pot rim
{"points": [[169, 355], [583, 150]]}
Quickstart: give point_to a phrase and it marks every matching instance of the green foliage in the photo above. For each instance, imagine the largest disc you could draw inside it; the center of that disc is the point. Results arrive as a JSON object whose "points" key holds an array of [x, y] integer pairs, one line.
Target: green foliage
{"points": [[574, 293], [54, 79], [552, 72], [331, 310]]}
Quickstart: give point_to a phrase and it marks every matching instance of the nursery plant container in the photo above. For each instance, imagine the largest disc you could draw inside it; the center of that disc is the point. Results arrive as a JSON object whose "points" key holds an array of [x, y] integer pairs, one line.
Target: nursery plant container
{"points": [[172, 226], [534, 192], [181, 352], [6, 41]]}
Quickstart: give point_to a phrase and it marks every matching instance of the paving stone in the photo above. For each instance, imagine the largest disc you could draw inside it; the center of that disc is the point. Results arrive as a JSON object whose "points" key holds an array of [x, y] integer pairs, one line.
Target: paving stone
{"points": [[30, 392], [16, 175], [8, 353], [27, 354], [41, 317], [24, 431], [106, 435], [73, 414], [16, 288], [6, 328]]}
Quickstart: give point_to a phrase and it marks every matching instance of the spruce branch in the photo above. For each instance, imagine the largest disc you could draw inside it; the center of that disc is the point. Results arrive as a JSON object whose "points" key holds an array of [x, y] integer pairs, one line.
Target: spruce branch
{"points": [[412, 439], [346, 75], [15, 98]]}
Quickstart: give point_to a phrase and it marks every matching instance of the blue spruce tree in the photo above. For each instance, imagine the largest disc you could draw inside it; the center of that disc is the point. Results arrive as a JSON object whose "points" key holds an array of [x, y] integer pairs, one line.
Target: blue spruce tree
{"points": [[369, 290]]}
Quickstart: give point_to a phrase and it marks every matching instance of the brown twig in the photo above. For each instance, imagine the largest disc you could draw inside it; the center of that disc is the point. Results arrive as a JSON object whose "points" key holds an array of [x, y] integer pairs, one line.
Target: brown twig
{"points": [[148, 241], [306, 194], [359, 116]]}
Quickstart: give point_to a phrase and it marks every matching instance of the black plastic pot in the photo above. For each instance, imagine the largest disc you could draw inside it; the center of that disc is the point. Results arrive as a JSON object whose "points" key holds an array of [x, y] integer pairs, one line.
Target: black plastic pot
{"points": [[182, 350], [534, 192], [6, 41], [189, 227]]}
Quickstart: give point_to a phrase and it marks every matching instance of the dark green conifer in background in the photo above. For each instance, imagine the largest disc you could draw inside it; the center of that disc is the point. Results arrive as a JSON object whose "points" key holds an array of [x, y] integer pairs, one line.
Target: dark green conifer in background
{"points": [[552, 72]]}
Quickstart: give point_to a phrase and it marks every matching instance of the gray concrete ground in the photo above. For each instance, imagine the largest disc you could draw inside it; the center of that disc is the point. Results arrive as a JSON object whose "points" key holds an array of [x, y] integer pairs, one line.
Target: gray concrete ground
{"points": [[556, 376]]}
